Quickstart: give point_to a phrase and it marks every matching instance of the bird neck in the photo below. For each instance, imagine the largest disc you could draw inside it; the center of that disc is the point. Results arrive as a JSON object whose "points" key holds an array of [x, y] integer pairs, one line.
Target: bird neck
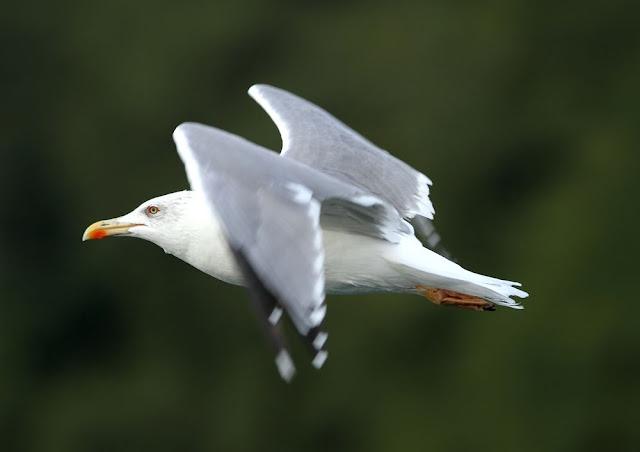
{"points": [[203, 243]]}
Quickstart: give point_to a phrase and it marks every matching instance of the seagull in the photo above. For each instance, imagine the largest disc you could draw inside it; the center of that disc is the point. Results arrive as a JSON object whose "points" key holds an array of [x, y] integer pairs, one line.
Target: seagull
{"points": [[331, 214]]}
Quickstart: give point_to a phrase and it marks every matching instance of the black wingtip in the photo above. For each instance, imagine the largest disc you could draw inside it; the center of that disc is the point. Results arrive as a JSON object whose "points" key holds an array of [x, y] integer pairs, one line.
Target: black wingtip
{"points": [[316, 340], [426, 232], [269, 312]]}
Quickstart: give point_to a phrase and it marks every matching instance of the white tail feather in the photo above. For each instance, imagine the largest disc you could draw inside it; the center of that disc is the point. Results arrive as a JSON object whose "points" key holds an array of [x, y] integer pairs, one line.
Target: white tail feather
{"points": [[430, 269]]}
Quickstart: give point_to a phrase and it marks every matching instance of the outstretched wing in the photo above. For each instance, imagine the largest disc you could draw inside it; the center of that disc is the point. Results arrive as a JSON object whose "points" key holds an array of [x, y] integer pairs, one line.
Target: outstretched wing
{"points": [[270, 210], [314, 137]]}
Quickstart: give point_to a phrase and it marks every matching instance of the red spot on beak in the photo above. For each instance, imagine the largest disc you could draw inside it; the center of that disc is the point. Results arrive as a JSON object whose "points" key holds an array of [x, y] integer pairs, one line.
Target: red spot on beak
{"points": [[98, 234]]}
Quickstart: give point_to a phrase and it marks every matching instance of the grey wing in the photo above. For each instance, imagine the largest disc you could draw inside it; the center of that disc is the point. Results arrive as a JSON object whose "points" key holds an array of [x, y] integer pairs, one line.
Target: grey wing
{"points": [[314, 137], [233, 157], [270, 210]]}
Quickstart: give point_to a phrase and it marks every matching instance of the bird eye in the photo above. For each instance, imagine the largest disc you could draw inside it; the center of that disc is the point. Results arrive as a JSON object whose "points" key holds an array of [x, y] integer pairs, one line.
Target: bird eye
{"points": [[152, 210]]}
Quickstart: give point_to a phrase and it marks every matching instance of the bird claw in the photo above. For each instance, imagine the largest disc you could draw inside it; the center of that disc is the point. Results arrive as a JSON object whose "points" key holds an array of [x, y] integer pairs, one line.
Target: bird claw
{"points": [[457, 299]]}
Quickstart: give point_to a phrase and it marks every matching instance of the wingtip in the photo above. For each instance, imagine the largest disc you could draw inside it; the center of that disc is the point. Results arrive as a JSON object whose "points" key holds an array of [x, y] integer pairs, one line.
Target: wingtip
{"points": [[178, 132], [254, 90], [275, 316], [320, 359], [320, 340], [424, 206], [285, 365], [182, 129], [317, 315]]}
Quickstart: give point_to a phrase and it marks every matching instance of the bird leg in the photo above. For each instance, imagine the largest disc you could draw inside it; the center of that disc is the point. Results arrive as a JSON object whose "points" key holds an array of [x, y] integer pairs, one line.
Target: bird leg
{"points": [[457, 299]]}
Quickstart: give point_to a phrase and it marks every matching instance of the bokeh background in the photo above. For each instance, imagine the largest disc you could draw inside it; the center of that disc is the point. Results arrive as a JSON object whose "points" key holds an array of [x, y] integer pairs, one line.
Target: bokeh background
{"points": [[524, 113]]}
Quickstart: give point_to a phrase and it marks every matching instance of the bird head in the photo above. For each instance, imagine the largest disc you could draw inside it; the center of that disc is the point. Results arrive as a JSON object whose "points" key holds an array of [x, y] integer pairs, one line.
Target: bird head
{"points": [[163, 220]]}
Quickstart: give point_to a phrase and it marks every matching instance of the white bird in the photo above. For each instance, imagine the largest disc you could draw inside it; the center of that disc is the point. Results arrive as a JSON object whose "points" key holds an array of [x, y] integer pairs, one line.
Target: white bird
{"points": [[330, 214]]}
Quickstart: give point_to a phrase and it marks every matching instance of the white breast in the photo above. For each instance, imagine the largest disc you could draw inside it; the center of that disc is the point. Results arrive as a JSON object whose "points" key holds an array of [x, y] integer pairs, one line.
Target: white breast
{"points": [[208, 249]]}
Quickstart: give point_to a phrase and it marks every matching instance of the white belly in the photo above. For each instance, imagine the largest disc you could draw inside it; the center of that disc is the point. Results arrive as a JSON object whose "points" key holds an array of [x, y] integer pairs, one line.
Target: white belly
{"points": [[353, 263], [356, 263]]}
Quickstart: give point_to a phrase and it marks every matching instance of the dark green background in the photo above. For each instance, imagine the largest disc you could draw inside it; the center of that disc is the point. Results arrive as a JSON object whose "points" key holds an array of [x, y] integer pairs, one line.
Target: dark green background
{"points": [[524, 113]]}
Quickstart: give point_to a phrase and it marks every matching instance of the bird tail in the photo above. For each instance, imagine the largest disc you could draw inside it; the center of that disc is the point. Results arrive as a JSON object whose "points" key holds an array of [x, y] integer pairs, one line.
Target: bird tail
{"points": [[427, 269]]}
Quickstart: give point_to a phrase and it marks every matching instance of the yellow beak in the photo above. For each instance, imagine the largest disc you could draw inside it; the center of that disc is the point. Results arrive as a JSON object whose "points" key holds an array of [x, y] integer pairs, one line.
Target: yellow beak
{"points": [[107, 228]]}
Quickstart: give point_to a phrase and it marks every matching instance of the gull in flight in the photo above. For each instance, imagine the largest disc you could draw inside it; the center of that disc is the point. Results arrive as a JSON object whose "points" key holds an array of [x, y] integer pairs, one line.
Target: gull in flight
{"points": [[333, 213]]}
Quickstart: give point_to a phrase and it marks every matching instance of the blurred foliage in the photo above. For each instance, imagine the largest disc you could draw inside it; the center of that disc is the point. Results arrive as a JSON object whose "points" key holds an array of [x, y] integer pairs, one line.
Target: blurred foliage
{"points": [[524, 113]]}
